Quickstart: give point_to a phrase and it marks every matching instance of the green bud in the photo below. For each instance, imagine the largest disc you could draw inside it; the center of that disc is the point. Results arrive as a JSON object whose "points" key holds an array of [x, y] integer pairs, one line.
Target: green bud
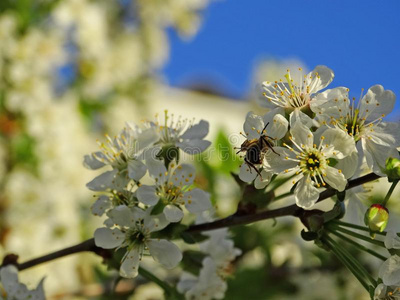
{"points": [[376, 218], [392, 168]]}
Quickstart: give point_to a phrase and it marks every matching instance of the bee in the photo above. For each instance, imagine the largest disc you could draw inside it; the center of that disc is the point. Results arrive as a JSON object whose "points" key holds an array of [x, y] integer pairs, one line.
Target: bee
{"points": [[255, 150]]}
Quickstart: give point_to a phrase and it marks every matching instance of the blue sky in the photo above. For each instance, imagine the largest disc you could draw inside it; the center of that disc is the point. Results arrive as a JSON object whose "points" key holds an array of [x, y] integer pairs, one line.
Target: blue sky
{"points": [[359, 40]]}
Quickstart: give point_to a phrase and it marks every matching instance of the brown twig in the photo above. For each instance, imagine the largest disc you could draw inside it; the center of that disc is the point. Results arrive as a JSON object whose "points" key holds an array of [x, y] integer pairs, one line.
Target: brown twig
{"points": [[233, 220]]}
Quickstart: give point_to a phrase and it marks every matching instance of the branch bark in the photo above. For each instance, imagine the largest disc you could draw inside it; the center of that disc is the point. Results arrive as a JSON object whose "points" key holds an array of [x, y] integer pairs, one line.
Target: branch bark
{"points": [[233, 220]]}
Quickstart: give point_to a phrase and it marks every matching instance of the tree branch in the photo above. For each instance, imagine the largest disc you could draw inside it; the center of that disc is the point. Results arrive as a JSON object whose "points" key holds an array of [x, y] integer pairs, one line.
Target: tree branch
{"points": [[233, 220], [291, 210]]}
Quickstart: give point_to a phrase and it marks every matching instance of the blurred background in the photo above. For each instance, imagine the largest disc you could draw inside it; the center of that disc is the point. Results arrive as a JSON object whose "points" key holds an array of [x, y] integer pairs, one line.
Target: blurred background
{"points": [[73, 70]]}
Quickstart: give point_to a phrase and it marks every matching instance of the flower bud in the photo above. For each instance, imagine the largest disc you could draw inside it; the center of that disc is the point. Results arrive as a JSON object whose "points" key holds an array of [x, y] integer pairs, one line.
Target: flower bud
{"points": [[376, 217], [392, 168]]}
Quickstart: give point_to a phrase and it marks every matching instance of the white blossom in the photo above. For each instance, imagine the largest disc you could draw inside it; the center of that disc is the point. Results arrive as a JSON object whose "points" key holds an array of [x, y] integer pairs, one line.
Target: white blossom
{"points": [[310, 159], [207, 286], [12, 289], [133, 231], [377, 140], [295, 93], [182, 133], [174, 188]]}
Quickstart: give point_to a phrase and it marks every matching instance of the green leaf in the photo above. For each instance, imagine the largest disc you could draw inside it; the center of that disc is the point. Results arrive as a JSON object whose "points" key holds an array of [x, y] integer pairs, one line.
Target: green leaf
{"points": [[193, 238], [332, 162], [171, 232], [192, 261], [158, 208]]}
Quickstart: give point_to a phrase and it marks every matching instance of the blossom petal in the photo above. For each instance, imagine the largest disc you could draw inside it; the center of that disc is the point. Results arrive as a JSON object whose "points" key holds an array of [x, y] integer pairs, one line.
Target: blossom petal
{"points": [[277, 163], [147, 194], [136, 169], [376, 155], [389, 271], [92, 161], [197, 200], [165, 252], [193, 146], [298, 116], [130, 266], [9, 278], [262, 181], [173, 213], [156, 168], [184, 173], [349, 164], [147, 138], [343, 144], [197, 131], [122, 216], [103, 182], [302, 135], [306, 194], [392, 240], [278, 125], [101, 205], [107, 238], [319, 78], [247, 173], [253, 126], [377, 103], [331, 103], [335, 178]]}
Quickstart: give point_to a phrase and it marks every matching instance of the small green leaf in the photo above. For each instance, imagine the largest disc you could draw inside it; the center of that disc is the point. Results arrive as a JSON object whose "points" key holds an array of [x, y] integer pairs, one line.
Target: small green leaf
{"points": [[193, 238], [332, 162], [158, 208], [192, 261]]}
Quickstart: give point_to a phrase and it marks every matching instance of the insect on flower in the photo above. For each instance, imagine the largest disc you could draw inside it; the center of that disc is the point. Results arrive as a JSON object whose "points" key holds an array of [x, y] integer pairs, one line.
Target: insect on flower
{"points": [[255, 149]]}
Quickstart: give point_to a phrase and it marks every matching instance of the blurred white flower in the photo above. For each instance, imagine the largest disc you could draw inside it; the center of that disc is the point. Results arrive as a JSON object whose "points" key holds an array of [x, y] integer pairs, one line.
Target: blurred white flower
{"points": [[133, 232], [173, 187], [378, 140], [309, 159], [389, 271], [295, 93], [11, 288], [123, 153], [207, 286]]}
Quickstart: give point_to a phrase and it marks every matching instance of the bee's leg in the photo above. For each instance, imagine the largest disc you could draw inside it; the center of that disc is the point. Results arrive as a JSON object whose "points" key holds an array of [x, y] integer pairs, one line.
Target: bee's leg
{"points": [[251, 165], [269, 145]]}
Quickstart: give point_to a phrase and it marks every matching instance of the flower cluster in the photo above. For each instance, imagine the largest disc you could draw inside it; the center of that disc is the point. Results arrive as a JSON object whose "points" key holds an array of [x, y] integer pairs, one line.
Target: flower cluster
{"points": [[137, 212], [317, 138]]}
